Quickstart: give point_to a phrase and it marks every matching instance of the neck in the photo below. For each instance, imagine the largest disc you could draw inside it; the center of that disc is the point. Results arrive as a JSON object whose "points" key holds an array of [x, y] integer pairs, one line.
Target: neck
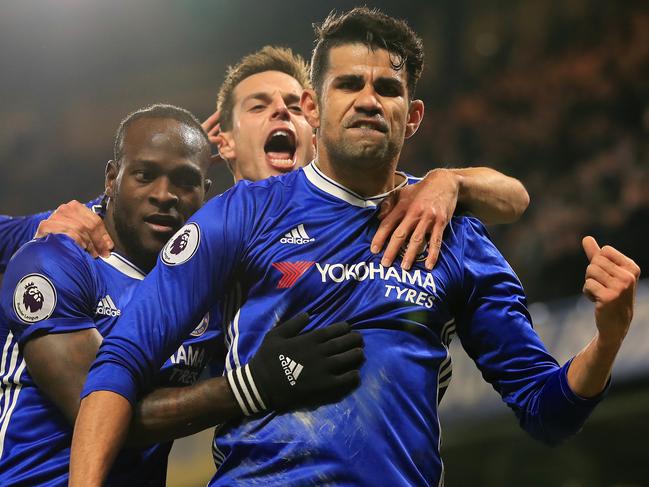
{"points": [[364, 177]]}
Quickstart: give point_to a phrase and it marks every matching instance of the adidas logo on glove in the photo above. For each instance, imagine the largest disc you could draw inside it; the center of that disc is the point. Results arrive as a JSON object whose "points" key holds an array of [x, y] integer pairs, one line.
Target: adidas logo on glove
{"points": [[292, 369]]}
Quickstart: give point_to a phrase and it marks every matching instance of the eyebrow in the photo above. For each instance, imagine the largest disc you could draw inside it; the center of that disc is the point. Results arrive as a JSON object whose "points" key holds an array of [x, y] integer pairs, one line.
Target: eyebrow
{"points": [[381, 80]]}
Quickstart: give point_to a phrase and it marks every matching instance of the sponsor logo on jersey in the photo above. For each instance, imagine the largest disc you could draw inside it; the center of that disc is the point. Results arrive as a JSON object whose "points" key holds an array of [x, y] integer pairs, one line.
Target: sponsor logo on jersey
{"points": [[202, 326], [291, 272], [297, 236], [371, 270], [182, 246], [107, 307], [415, 286], [292, 369], [34, 298]]}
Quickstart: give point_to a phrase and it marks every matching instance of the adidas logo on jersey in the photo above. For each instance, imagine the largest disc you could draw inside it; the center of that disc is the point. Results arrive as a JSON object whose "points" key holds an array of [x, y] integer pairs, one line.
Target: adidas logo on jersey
{"points": [[292, 369], [107, 307], [297, 236]]}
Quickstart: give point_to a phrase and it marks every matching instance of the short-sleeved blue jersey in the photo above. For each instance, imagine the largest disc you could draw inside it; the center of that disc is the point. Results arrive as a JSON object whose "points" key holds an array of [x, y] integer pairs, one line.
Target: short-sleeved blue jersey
{"points": [[16, 231], [53, 286], [301, 242]]}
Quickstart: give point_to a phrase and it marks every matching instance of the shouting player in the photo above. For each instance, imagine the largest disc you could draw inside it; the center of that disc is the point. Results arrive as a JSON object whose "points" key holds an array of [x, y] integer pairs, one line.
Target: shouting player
{"points": [[262, 133], [59, 302], [365, 67]]}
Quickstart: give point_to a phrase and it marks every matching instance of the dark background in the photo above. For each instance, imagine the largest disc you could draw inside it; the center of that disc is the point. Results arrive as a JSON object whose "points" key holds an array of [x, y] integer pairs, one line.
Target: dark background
{"points": [[555, 93]]}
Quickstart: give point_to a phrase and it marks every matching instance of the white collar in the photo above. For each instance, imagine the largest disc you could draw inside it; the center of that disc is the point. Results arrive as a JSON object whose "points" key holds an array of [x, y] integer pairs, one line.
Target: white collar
{"points": [[328, 185], [124, 266]]}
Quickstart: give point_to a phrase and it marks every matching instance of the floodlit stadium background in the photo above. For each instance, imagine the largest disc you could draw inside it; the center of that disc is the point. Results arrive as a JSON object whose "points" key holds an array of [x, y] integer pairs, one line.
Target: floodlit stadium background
{"points": [[553, 92]]}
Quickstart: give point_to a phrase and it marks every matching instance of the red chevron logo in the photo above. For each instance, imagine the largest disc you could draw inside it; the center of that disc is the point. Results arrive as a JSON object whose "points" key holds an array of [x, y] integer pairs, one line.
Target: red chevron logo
{"points": [[291, 272]]}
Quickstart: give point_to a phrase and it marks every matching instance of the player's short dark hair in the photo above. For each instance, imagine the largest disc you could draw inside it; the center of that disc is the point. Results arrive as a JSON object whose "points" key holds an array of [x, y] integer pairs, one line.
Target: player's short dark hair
{"points": [[374, 29], [268, 58], [159, 110]]}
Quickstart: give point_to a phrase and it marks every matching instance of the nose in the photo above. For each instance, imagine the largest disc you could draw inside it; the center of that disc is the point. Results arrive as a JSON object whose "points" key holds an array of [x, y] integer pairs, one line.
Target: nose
{"points": [[367, 101], [162, 194], [279, 109]]}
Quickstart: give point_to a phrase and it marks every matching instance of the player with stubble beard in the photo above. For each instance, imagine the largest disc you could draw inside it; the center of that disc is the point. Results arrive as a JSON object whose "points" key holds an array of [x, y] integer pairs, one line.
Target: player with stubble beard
{"points": [[365, 69], [58, 302], [260, 131]]}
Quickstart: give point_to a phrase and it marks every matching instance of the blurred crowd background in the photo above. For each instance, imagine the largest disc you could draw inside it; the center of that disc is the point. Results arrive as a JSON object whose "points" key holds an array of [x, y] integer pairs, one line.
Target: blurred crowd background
{"points": [[555, 93]]}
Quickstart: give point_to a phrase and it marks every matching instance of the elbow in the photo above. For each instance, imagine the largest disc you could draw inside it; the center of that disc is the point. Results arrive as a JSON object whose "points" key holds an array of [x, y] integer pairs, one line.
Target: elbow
{"points": [[518, 203], [512, 209], [523, 200]]}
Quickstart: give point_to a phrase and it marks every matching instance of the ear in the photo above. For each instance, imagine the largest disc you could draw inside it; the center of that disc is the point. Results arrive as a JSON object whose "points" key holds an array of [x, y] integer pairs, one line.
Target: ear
{"points": [[226, 145], [112, 171], [415, 116], [309, 105]]}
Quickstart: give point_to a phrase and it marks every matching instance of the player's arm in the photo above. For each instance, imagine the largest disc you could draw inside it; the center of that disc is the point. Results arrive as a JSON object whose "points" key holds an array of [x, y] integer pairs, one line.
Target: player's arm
{"points": [[611, 280], [73, 219], [331, 357], [191, 274], [418, 214], [15, 232], [496, 331]]}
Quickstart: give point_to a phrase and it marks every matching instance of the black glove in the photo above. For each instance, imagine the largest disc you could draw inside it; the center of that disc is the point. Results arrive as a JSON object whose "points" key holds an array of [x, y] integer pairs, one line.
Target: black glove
{"points": [[292, 370]]}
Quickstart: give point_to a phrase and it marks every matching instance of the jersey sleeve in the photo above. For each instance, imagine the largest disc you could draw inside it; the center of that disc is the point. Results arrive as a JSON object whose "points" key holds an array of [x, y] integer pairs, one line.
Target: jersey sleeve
{"points": [[191, 273], [16, 231], [496, 331], [48, 288]]}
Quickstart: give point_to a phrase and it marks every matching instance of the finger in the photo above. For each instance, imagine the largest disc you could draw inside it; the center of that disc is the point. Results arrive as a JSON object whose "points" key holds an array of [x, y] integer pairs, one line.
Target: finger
{"points": [[590, 247], [435, 244], [214, 132], [292, 327], [210, 121], [386, 227], [332, 331], [415, 244], [614, 270], [348, 381], [342, 343], [621, 260], [343, 362], [397, 240], [599, 274], [99, 237], [593, 289]]}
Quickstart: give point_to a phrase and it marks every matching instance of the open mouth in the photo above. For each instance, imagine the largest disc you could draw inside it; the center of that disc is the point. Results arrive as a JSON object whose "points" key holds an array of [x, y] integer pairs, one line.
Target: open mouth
{"points": [[280, 149]]}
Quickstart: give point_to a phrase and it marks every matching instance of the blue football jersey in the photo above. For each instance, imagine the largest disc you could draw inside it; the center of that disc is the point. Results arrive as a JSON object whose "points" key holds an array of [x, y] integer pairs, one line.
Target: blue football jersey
{"points": [[53, 286], [301, 243], [16, 231]]}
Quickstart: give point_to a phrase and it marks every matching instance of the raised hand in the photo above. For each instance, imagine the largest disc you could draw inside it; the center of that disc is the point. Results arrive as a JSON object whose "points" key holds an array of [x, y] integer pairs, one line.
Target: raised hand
{"points": [[611, 279]]}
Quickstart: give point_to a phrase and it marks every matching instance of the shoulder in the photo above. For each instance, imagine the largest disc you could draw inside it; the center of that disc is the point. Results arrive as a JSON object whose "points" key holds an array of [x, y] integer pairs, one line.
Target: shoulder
{"points": [[248, 198], [50, 251], [56, 258]]}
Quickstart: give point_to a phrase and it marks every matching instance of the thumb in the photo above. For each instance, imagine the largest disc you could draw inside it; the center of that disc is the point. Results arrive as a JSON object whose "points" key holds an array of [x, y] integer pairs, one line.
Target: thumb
{"points": [[292, 327], [590, 247]]}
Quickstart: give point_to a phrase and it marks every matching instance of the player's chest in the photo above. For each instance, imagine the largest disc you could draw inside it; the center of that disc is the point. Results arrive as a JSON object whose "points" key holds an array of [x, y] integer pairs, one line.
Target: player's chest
{"points": [[328, 260]]}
